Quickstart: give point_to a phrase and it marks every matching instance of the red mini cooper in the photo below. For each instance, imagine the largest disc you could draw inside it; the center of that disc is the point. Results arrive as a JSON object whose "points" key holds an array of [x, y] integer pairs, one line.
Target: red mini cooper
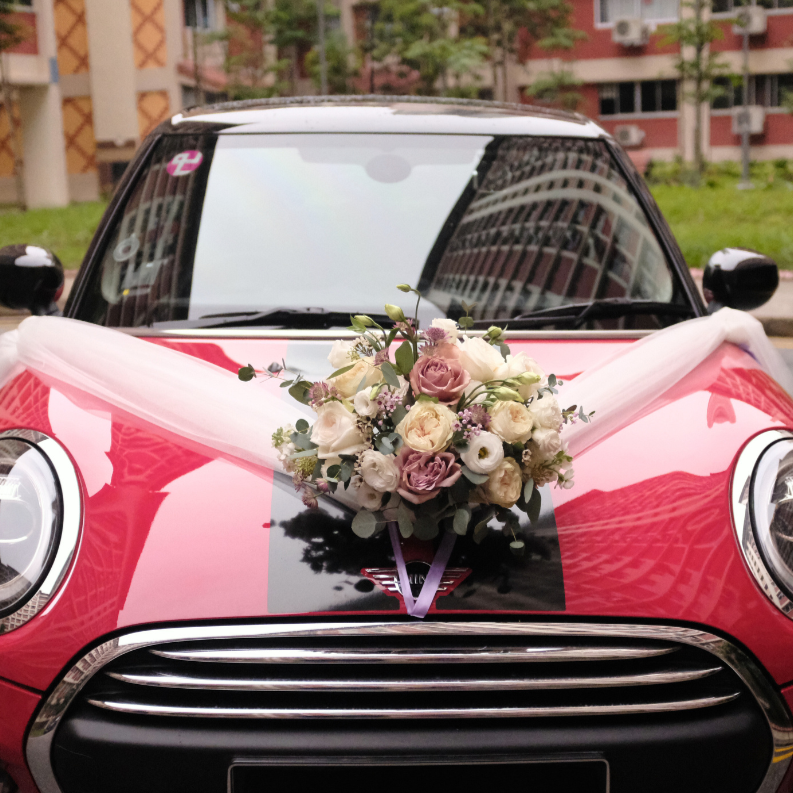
{"points": [[175, 622]]}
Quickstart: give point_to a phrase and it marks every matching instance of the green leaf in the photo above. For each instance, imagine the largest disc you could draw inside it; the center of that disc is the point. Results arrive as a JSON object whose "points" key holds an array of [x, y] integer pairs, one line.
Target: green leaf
{"points": [[384, 446], [405, 521], [552, 380], [466, 323], [534, 505], [461, 519], [364, 524], [504, 348], [317, 472], [334, 471], [341, 371], [517, 547], [362, 384], [480, 531], [425, 527], [246, 373], [398, 415], [389, 374], [286, 383], [299, 391], [528, 488], [477, 479], [396, 441], [301, 425], [347, 467], [425, 398], [404, 357], [302, 441], [305, 453]]}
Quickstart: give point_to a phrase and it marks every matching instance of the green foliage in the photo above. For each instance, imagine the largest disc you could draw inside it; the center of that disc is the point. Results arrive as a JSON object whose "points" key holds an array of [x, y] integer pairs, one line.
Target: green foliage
{"points": [[557, 88], [11, 33]]}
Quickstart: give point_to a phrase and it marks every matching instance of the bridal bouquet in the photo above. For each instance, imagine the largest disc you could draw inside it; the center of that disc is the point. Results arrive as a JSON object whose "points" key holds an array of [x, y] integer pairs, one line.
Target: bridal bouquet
{"points": [[429, 429]]}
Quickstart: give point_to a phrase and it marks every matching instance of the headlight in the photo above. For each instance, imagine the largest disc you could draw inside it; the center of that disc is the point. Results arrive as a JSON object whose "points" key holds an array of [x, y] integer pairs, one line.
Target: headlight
{"points": [[762, 501], [39, 523]]}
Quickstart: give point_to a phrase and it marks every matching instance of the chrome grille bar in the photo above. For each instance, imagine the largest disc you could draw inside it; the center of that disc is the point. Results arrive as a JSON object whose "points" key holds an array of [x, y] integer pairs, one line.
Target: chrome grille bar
{"points": [[463, 655], [412, 713], [167, 680]]}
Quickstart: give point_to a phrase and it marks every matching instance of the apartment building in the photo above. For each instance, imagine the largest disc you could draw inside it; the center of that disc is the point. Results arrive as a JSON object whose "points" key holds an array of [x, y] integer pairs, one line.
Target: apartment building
{"points": [[92, 79], [630, 84]]}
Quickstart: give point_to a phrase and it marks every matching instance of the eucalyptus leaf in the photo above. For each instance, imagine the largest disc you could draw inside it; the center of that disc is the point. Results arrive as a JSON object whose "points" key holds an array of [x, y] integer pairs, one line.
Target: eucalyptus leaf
{"points": [[299, 391], [477, 479], [364, 524], [286, 383], [347, 468], [534, 505], [461, 518], [317, 472], [404, 357], [398, 415], [301, 425], [384, 446], [341, 371], [302, 441], [334, 471], [389, 374], [517, 547], [552, 380], [527, 490], [306, 453], [246, 373], [480, 531], [405, 520], [426, 528]]}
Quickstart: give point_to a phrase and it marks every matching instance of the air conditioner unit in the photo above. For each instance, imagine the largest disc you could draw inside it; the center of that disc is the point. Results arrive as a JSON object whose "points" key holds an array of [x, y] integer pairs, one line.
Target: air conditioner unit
{"points": [[751, 118], [751, 20], [629, 135], [630, 32]]}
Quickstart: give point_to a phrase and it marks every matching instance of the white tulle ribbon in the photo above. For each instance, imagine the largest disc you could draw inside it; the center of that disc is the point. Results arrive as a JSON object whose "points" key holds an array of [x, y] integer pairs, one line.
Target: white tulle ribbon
{"points": [[211, 406]]}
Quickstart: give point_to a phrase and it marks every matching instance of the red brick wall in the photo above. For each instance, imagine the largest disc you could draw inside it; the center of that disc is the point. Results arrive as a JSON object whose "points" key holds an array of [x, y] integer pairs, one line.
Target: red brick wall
{"points": [[778, 131], [659, 133], [779, 34]]}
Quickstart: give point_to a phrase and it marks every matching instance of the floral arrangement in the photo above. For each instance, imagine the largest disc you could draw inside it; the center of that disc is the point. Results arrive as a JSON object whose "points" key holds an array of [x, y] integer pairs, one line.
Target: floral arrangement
{"points": [[446, 431]]}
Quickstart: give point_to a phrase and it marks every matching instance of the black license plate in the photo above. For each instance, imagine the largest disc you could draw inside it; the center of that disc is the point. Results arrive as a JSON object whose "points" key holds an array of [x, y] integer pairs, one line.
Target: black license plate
{"points": [[580, 776]]}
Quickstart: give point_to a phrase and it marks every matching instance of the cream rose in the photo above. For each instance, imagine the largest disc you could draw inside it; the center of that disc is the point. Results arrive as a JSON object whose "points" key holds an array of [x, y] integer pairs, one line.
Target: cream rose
{"points": [[427, 427], [367, 496], [335, 432], [546, 413], [479, 359], [484, 453], [548, 442], [511, 421], [347, 384], [379, 471], [364, 404], [505, 484], [448, 325], [339, 355]]}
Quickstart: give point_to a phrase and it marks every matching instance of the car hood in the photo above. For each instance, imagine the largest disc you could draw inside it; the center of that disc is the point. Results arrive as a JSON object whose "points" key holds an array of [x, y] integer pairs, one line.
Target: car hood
{"points": [[174, 532]]}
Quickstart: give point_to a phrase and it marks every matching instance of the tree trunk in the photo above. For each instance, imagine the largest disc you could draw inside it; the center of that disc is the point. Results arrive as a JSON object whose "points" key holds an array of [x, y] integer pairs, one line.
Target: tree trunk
{"points": [[5, 91], [699, 162]]}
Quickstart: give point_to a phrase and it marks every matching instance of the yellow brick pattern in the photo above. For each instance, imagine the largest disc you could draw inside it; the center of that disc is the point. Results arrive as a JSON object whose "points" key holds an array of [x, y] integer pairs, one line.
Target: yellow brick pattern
{"points": [[71, 34], [153, 109], [148, 33], [6, 152], [78, 133]]}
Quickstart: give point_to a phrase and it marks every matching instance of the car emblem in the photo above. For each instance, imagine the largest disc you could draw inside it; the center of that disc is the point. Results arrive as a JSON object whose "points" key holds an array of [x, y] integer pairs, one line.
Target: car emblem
{"points": [[387, 578]]}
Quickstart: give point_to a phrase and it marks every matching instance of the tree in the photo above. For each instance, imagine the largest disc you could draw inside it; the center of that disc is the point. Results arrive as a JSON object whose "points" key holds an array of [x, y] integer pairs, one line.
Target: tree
{"points": [[341, 60], [697, 65], [12, 33], [557, 88], [513, 27], [423, 36]]}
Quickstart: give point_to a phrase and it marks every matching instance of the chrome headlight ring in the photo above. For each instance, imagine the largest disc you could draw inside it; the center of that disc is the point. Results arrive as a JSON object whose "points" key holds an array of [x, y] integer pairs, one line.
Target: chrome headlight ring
{"points": [[53, 562], [754, 484]]}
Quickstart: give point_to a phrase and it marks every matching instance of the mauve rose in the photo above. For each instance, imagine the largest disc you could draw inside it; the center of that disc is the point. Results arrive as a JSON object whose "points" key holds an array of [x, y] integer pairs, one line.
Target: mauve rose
{"points": [[440, 374], [421, 474]]}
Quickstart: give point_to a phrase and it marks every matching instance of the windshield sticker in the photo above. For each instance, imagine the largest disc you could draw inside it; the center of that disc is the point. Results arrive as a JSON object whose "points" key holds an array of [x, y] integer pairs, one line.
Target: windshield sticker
{"points": [[127, 248], [185, 162]]}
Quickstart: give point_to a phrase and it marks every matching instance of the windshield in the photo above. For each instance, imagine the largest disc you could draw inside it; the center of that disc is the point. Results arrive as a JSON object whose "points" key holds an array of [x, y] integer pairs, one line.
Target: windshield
{"points": [[284, 227]]}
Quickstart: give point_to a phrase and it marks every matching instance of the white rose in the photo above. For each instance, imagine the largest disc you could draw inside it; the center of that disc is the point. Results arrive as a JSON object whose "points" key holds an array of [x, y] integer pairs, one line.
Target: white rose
{"points": [[339, 355], [428, 427], [484, 453], [511, 421], [364, 404], [367, 496], [479, 359], [449, 325], [347, 384], [566, 479], [546, 413], [335, 432], [518, 364], [548, 442], [505, 484], [379, 471]]}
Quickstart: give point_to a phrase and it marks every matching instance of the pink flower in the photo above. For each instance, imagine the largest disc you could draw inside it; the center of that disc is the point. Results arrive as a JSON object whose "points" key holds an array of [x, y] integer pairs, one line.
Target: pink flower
{"points": [[422, 474], [439, 373]]}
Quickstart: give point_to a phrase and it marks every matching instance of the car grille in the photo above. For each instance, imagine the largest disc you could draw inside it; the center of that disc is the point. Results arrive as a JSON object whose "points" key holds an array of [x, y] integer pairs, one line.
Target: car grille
{"points": [[382, 676]]}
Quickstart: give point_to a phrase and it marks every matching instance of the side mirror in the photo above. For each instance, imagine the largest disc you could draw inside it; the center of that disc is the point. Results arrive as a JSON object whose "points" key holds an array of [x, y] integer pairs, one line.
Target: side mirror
{"points": [[739, 278], [30, 277]]}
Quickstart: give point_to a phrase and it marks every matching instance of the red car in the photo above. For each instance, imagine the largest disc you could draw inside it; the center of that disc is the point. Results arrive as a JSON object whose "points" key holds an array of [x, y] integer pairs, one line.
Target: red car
{"points": [[176, 621]]}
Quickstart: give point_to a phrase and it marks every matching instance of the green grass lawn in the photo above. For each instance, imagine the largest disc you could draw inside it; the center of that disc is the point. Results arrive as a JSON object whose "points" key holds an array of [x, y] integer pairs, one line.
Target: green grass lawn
{"points": [[65, 231], [706, 219]]}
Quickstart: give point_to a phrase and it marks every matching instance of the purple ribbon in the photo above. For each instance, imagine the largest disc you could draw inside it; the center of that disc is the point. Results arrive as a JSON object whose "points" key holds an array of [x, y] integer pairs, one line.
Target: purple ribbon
{"points": [[418, 607]]}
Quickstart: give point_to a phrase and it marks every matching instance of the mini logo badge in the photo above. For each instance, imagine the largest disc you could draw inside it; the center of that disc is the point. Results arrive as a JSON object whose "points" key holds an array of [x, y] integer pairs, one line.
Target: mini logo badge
{"points": [[387, 578]]}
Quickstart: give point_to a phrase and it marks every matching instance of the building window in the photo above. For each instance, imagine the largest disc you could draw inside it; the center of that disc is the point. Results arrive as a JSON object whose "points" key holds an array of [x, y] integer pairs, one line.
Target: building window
{"points": [[768, 90], [199, 13], [612, 10], [727, 6], [648, 96]]}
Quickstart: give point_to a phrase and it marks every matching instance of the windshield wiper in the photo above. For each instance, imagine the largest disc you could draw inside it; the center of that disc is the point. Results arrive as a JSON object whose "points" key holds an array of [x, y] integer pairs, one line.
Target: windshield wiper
{"points": [[298, 318], [579, 313]]}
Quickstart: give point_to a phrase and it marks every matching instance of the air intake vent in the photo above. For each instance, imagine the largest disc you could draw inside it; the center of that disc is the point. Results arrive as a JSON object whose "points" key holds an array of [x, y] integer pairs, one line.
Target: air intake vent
{"points": [[426, 677]]}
